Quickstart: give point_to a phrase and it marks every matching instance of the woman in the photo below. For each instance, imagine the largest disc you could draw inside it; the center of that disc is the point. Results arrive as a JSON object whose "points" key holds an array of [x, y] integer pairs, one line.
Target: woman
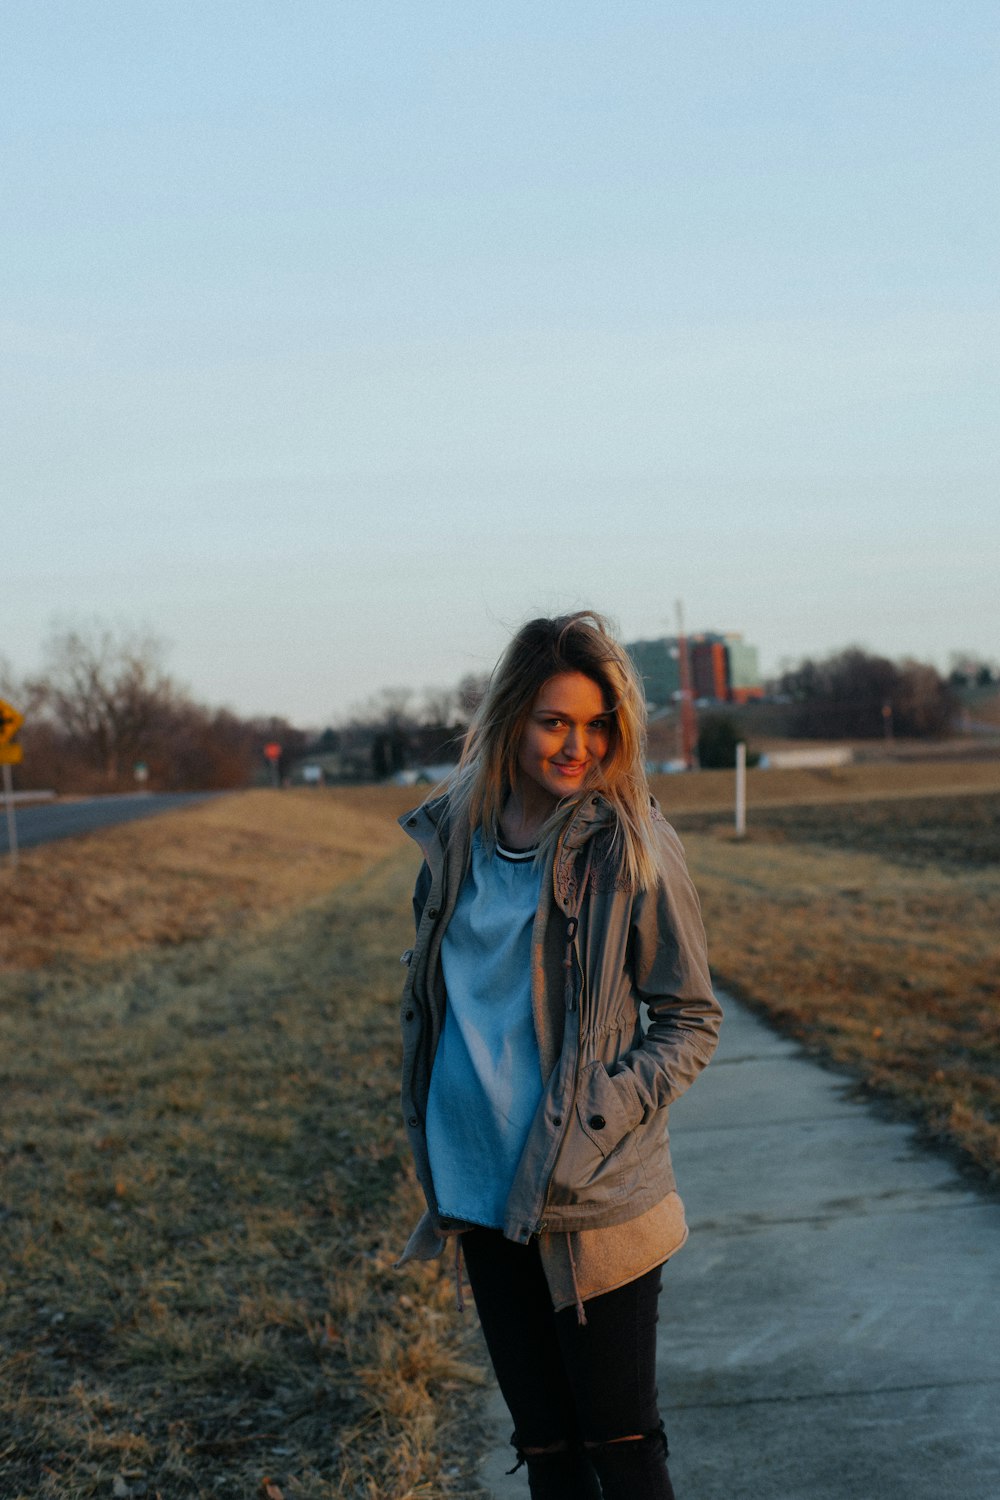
{"points": [[554, 901]]}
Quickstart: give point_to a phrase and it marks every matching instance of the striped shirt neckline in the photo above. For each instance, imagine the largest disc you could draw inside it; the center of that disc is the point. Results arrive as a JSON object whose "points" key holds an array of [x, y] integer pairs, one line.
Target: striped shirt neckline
{"points": [[516, 856]]}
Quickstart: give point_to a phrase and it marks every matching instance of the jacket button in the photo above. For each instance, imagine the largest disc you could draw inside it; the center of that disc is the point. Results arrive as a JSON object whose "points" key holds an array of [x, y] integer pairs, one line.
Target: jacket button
{"points": [[597, 1122], [409, 1015], [432, 911], [413, 1120], [557, 1119]]}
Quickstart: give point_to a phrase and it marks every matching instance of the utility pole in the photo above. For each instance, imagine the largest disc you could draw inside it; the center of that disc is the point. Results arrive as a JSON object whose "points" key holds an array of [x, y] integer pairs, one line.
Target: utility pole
{"points": [[10, 755], [689, 729], [887, 729]]}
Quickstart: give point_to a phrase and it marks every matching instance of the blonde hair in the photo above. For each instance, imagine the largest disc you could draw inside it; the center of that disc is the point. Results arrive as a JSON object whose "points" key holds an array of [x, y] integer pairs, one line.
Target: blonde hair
{"points": [[488, 768]]}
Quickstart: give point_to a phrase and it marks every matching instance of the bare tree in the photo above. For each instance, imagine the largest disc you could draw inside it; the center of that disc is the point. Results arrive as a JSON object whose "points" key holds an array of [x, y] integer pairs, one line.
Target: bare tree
{"points": [[471, 690], [390, 707], [923, 703], [848, 694], [439, 705], [13, 689], [106, 690], [970, 669]]}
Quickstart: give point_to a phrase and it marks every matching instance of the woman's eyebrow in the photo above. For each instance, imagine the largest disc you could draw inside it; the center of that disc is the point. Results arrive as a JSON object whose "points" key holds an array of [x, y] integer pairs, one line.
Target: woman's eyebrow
{"points": [[562, 713]]}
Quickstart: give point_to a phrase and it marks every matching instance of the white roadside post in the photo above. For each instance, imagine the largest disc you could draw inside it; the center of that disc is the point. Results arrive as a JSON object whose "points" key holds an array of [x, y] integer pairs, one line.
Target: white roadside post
{"points": [[741, 789]]}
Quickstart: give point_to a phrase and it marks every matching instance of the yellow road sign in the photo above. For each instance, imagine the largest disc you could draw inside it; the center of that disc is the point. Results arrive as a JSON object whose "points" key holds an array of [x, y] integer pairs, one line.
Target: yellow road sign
{"points": [[10, 722], [11, 755]]}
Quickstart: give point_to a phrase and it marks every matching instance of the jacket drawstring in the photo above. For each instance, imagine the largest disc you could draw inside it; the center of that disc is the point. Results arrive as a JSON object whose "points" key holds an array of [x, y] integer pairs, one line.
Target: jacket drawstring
{"points": [[581, 1316], [572, 927], [459, 1289], [569, 988]]}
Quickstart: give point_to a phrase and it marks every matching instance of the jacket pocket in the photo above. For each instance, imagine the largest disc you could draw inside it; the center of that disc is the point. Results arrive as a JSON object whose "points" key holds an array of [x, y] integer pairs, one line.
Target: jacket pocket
{"points": [[599, 1163], [607, 1107]]}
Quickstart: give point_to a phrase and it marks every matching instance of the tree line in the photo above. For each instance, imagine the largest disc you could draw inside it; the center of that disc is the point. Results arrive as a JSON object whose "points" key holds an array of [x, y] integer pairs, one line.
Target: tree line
{"points": [[104, 715], [854, 694], [402, 728], [850, 694], [104, 705]]}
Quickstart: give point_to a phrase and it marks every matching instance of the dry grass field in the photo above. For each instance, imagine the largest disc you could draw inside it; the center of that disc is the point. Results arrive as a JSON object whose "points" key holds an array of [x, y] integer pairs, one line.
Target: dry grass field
{"points": [[712, 791], [208, 869], [205, 1183], [870, 930], [204, 1187]]}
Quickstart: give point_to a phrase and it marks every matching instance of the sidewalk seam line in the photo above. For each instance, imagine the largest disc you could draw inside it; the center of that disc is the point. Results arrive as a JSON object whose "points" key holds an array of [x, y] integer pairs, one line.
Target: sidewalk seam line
{"points": [[883, 1390]]}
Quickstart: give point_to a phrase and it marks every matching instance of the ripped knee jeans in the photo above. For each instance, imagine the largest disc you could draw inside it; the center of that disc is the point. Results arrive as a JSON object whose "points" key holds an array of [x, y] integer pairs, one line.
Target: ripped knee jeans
{"points": [[582, 1398]]}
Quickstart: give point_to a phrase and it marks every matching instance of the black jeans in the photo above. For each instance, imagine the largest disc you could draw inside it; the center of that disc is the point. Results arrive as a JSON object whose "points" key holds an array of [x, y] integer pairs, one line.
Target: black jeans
{"points": [[573, 1388]]}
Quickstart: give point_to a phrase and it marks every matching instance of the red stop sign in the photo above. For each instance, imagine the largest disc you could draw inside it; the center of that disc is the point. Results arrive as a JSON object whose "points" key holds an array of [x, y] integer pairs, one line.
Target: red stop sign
{"points": [[273, 752]]}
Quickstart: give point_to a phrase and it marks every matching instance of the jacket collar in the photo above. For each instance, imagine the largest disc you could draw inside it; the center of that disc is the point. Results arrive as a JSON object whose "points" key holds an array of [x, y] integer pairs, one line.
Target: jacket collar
{"points": [[428, 826], [591, 815]]}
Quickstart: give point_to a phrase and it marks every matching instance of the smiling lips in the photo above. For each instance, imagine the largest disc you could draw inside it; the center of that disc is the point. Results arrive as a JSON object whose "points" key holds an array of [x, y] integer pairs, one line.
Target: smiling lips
{"points": [[565, 769]]}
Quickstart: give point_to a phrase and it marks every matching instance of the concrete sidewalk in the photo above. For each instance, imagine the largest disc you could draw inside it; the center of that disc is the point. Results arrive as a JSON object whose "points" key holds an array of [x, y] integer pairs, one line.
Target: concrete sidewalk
{"points": [[832, 1329]]}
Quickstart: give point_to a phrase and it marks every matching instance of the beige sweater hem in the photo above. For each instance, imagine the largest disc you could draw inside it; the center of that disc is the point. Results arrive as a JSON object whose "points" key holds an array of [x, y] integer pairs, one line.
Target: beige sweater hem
{"points": [[606, 1259]]}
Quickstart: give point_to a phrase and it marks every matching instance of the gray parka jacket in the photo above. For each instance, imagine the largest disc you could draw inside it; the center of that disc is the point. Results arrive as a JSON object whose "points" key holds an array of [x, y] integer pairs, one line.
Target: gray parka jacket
{"points": [[597, 1153]]}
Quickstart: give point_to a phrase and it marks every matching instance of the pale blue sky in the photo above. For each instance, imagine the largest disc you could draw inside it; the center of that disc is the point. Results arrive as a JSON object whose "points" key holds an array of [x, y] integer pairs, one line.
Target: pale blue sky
{"points": [[338, 338]]}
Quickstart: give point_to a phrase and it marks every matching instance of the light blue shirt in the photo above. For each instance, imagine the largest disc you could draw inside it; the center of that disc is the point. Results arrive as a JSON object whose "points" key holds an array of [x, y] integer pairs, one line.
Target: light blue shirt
{"points": [[486, 1082]]}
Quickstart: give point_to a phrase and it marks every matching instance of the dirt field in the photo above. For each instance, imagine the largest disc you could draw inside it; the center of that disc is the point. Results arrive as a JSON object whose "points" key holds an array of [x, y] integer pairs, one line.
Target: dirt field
{"points": [[956, 832], [713, 791], [205, 1183]]}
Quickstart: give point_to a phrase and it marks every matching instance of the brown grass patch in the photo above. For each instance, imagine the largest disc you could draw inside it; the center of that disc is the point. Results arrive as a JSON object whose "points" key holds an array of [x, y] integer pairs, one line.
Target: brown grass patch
{"points": [[884, 962], [960, 832], [191, 873], [861, 915], [205, 1181], [711, 791], [206, 1184]]}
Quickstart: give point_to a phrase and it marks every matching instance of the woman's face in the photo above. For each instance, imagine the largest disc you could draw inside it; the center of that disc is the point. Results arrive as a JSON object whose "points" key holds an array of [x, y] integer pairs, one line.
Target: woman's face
{"points": [[568, 733]]}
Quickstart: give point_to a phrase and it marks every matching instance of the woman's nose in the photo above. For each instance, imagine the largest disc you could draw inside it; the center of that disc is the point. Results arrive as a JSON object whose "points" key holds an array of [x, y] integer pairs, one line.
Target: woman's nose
{"points": [[574, 742]]}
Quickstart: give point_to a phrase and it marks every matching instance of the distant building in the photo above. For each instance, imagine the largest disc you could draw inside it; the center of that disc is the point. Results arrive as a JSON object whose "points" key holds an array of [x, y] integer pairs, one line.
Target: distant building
{"points": [[723, 667], [709, 664], [744, 670], [658, 663]]}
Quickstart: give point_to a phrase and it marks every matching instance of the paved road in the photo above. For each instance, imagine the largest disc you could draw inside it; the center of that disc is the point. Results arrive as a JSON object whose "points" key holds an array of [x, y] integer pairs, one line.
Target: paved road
{"points": [[832, 1329], [62, 820]]}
